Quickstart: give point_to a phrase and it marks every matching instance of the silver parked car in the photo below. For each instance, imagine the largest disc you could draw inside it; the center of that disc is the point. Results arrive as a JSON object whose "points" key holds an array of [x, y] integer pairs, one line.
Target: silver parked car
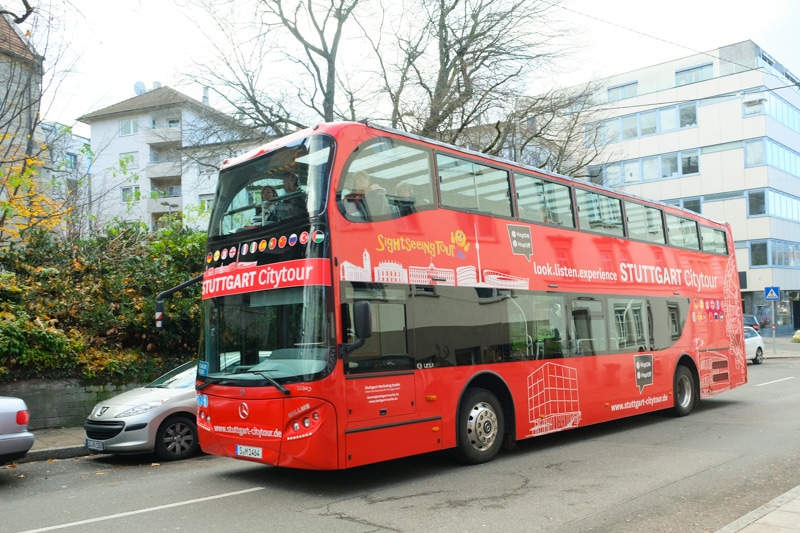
{"points": [[753, 345], [160, 417], [15, 439]]}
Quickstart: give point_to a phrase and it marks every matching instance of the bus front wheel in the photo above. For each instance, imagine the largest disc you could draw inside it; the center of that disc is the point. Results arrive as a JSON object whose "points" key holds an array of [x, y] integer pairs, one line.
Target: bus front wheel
{"points": [[684, 391], [480, 427]]}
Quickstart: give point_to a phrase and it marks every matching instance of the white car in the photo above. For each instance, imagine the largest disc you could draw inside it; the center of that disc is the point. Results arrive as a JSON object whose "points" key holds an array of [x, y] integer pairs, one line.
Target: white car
{"points": [[754, 345], [15, 439], [160, 417]]}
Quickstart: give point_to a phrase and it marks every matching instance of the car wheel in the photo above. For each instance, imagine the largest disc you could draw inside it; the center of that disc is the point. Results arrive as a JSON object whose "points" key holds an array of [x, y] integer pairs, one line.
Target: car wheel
{"points": [[683, 390], [480, 427], [759, 358], [176, 438]]}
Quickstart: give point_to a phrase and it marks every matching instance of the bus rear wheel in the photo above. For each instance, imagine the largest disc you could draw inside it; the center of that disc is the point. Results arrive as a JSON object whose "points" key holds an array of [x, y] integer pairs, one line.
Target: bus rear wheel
{"points": [[684, 391], [481, 427]]}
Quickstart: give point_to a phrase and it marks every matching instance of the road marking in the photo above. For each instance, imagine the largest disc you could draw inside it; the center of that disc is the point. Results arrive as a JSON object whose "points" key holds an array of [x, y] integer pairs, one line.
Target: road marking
{"points": [[776, 381], [140, 511]]}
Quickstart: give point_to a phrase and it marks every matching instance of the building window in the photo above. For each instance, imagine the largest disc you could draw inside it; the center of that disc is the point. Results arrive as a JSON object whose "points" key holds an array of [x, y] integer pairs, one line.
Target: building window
{"points": [[669, 166], [775, 253], [668, 119], [620, 92], [71, 161], [647, 123], [630, 126], [650, 168], [129, 159], [693, 204], [651, 122], [630, 172], [206, 202], [755, 203], [130, 194], [690, 162], [173, 123], [782, 205], [694, 74], [754, 153], [758, 254], [128, 126], [688, 115]]}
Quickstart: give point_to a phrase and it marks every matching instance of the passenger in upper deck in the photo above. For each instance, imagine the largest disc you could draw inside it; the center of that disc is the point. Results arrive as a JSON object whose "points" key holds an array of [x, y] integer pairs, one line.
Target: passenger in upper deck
{"points": [[293, 202], [365, 201], [404, 198], [267, 210]]}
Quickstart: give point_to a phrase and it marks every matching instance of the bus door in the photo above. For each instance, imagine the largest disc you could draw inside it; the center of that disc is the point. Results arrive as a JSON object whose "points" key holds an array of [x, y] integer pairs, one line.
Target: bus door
{"points": [[380, 374], [383, 421]]}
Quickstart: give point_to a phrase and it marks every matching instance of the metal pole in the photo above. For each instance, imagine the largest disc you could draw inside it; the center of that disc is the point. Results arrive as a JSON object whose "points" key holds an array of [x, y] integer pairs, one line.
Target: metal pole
{"points": [[773, 327]]}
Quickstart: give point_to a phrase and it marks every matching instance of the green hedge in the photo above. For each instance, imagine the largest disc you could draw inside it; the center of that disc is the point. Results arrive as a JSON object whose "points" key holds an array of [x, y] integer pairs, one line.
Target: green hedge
{"points": [[86, 309]]}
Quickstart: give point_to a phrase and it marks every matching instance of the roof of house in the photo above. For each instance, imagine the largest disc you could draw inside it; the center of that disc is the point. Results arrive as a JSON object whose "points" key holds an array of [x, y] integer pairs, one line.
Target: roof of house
{"points": [[161, 98], [13, 42]]}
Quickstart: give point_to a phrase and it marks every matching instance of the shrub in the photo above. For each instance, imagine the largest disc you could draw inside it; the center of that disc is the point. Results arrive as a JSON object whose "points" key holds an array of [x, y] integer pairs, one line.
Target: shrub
{"points": [[87, 309]]}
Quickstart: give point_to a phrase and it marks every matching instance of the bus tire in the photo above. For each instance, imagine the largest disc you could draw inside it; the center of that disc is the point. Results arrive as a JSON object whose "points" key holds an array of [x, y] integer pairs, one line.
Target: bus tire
{"points": [[480, 427], [684, 390]]}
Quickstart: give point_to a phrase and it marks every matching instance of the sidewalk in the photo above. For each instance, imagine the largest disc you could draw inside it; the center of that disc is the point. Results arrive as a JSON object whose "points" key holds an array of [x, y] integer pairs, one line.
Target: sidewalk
{"points": [[781, 515]]}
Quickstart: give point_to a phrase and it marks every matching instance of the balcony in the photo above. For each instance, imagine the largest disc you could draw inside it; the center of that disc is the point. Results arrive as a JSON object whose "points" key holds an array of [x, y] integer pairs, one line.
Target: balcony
{"points": [[164, 169], [164, 205], [160, 136]]}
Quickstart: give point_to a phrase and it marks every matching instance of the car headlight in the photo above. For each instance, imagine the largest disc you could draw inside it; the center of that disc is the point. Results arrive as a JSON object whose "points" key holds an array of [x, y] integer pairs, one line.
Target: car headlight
{"points": [[142, 408]]}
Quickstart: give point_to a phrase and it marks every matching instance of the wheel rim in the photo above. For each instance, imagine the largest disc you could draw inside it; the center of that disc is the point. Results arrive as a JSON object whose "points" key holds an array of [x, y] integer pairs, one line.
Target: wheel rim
{"points": [[759, 355], [482, 426], [178, 439], [683, 391]]}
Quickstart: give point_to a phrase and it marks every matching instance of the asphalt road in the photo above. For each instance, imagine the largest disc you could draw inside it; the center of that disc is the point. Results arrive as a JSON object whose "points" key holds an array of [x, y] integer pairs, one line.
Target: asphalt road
{"points": [[648, 473]]}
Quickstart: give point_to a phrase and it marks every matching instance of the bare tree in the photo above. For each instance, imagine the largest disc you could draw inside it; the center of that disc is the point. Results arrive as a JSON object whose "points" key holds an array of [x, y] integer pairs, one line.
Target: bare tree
{"points": [[16, 16], [454, 70], [21, 70], [300, 39]]}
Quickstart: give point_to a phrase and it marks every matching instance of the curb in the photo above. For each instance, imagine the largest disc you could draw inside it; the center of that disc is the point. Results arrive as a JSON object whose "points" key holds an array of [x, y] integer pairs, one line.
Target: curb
{"points": [[65, 452]]}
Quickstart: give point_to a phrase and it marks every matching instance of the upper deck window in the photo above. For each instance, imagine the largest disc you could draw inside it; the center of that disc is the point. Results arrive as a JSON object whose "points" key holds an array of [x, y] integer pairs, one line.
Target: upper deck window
{"points": [[385, 179], [472, 186], [543, 201], [644, 223], [287, 183], [682, 232], [598, 212]]}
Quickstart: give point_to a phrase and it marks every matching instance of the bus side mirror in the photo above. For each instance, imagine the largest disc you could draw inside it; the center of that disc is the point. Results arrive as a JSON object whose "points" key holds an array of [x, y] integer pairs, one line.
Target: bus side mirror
{"points": [[362, 319], [362, 327]]}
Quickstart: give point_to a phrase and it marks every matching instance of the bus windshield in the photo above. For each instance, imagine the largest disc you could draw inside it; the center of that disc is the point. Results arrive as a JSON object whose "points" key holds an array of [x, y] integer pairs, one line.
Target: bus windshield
{"points": [[287, 183], [279, 334]]}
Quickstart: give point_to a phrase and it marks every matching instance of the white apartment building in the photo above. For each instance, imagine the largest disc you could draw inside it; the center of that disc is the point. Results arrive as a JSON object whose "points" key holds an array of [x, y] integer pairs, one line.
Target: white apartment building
{"points": [[157, 154], [718, 133]]}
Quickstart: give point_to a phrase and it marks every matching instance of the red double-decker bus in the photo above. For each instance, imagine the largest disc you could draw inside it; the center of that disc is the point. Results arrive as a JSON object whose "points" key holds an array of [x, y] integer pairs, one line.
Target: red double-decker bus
{"points": [[370, 295]]}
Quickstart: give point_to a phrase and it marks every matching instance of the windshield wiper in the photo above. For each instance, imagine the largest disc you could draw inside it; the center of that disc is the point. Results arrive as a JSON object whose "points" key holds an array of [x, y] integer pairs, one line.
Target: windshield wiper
{"points": [[269, 380]]}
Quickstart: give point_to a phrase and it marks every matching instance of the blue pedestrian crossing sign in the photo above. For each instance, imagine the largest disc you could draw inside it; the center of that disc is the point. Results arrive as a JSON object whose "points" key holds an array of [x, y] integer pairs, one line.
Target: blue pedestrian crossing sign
{"points": [[772, 294]]}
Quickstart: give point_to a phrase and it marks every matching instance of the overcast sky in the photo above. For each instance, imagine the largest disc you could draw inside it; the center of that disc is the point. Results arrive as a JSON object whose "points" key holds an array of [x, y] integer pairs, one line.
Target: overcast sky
{"points": [[121, 42]]}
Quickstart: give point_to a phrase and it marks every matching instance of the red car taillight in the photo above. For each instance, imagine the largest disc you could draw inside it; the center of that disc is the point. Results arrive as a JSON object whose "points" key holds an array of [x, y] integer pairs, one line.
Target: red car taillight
{"points": [[22, 418]]}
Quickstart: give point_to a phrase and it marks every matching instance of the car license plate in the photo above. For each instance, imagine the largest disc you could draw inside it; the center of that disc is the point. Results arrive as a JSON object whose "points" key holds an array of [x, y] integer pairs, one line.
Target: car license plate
{"points": [[94, 445], [248, 451]]}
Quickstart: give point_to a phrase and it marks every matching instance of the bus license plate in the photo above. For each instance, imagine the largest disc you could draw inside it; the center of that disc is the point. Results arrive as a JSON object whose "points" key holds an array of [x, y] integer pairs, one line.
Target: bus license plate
{"points": [[94, 445], [248, 451]]}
